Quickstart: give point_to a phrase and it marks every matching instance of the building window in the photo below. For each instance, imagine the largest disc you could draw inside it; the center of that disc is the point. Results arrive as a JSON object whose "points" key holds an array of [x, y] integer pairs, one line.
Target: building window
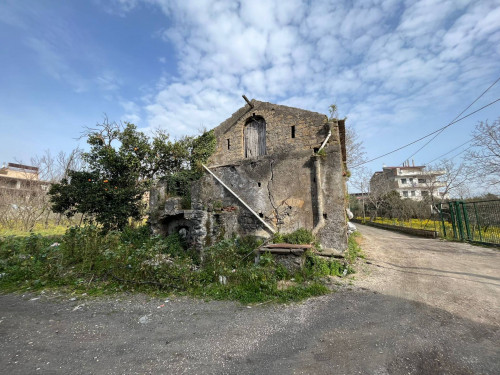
{"points": [[425, 193], [293, 131], [422, 180], [228, 144], [403, 180], [411, 180], [413, 193], [405, 194], [255, 137]]}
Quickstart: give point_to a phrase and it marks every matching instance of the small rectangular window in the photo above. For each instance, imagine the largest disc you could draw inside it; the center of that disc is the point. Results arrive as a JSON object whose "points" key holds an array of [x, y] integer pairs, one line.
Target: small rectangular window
{"points": [[293, 131], [403, 180], [422, 181], [228, 144], [405, 194], [413, 193]]}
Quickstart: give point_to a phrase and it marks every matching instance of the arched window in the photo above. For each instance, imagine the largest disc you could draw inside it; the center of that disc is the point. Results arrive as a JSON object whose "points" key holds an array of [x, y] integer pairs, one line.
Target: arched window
{"points": [[255, 137]]}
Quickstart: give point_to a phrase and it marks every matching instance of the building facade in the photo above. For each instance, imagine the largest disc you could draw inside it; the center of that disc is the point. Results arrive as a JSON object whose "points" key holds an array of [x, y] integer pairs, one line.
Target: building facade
{"points": [[413, 182], [265, 176], [19, 178]]}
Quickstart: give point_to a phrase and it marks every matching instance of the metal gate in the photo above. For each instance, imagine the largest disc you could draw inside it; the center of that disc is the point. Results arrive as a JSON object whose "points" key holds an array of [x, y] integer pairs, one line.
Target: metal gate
{"points": [[471, 221]]}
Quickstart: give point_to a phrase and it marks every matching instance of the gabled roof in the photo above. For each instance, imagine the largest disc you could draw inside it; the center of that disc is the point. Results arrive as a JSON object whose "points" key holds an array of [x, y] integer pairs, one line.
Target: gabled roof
{"points": [[246, 109]]}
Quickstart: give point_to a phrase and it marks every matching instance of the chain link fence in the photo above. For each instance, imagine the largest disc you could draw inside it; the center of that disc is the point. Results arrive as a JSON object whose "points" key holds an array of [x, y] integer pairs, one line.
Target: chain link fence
{"points": [[457, 220], [471, 221]]}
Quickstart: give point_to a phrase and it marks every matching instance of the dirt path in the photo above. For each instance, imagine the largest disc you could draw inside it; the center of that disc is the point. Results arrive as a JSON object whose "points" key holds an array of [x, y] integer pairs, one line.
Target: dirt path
{"points": [[457, 277], [421, 307]]}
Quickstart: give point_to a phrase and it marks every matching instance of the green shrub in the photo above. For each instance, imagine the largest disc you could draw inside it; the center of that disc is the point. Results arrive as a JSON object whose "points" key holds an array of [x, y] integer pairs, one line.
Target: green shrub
{"points": [[86, 259], [353, 249], [317, 267], [300, 236]]}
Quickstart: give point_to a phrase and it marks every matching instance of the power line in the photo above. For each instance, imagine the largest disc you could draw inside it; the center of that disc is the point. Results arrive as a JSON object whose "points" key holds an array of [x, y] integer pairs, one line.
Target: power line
{"points": [[439, 157], [454, 156], [460, 114], [428, 135], [461, 152]]}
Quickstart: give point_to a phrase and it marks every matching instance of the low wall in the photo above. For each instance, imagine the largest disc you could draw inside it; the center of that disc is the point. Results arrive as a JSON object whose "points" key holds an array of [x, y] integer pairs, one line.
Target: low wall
{"points": [[412, 231]]}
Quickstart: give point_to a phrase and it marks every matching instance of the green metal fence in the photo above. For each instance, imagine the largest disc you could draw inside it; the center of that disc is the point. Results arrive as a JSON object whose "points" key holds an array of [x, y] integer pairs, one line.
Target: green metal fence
{"points": [[471, 221]]}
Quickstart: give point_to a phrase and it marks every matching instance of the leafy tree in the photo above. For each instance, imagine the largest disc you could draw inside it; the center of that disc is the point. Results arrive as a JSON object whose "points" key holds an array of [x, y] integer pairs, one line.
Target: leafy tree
{"points": [[120, 166]]}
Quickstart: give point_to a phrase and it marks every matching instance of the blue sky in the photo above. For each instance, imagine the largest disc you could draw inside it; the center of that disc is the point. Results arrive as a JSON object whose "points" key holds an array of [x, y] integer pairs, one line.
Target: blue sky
{"points": [[396, 69]]}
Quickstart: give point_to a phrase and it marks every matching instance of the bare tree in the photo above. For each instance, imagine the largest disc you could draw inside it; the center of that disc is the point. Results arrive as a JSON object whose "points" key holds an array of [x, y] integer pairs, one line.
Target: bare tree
{"points": [[380, 189], [26, 203], [360, 181], [355, 150], [453, 179], [484, 158]]}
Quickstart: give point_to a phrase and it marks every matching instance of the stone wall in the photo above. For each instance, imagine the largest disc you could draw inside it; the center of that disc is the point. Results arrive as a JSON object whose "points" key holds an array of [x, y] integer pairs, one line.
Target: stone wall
{"points": [[289, 188], [283, 190], [310, 130]]}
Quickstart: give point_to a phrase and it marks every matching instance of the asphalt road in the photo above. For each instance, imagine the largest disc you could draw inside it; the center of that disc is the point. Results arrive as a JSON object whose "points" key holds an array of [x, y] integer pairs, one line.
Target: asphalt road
{"points": [[418, 306]]}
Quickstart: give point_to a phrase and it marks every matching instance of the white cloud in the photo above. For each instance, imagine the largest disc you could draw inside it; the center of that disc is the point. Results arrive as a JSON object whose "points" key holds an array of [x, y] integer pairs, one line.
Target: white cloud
{"points": [[384, 62]]}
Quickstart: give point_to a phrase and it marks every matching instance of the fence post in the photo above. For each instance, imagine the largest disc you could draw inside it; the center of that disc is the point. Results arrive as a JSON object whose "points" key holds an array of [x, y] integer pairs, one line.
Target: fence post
{"points": [[466, 219], [442, 219], [478, 222], [453, 219], [459, 220]]}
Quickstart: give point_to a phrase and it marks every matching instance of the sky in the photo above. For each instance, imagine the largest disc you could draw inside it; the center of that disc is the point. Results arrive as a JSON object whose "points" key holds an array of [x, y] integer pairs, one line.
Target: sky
{"points": [[397, 70]]}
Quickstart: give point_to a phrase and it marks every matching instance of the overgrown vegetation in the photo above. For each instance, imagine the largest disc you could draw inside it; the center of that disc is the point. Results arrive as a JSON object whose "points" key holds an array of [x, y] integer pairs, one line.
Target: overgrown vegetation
{"points": [[300, 236], [120, 166], [86, 260]]}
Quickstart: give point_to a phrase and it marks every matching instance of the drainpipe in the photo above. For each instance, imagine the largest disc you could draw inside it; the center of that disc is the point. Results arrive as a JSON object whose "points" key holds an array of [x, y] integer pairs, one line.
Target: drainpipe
{"points": [[317, 172], [326, 140]]}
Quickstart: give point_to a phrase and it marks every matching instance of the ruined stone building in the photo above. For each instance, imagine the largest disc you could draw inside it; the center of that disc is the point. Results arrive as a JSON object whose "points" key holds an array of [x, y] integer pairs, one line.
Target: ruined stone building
{"points": [[276, 168]]}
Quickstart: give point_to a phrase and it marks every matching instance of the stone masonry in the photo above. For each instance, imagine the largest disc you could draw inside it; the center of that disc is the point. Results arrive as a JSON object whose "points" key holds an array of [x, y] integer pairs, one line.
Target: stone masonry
{"points": [[289, 186]]}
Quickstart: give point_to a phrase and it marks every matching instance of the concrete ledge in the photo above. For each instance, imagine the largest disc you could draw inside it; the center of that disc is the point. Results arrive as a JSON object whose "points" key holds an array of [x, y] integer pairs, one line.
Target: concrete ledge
{"points": [[412, 231]]}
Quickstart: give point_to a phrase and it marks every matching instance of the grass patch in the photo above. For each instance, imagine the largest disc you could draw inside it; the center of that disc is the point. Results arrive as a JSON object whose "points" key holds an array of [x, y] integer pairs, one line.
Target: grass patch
{"points": [[49, 230], [353, 248], [84, 260]]}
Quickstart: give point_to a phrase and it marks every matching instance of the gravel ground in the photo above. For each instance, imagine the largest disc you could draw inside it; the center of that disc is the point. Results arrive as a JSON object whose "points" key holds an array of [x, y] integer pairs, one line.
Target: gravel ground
{"points": [[418, 306]]}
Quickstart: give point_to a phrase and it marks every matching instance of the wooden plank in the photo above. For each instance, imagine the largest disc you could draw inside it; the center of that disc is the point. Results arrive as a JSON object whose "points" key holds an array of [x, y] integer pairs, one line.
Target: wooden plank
{"points": [[261, 130], [255, 138], [241, 200], [289, 246], [275, 251]]}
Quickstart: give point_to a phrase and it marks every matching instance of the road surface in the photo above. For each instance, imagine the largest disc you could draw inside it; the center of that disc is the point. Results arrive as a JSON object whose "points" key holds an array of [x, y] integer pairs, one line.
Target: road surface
{"points": [[417, 306]]}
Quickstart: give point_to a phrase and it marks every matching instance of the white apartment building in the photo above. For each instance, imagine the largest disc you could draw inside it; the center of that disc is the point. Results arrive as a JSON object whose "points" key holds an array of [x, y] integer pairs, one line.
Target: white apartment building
{"points": [[412, 182]]}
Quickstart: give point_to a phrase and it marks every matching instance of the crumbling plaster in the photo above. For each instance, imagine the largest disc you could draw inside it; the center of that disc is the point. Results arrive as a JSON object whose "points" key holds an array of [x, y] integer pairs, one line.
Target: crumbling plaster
{"points": [[281, 186]]}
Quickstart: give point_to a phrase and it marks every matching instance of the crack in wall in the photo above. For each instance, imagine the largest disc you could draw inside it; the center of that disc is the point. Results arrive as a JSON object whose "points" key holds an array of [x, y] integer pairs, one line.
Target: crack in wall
{"points": [[271, 198]]}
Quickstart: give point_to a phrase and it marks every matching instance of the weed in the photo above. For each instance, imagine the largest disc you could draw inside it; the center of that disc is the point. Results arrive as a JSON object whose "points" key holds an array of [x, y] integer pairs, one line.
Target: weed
{"points": [[300, 236], [87, 260]]}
